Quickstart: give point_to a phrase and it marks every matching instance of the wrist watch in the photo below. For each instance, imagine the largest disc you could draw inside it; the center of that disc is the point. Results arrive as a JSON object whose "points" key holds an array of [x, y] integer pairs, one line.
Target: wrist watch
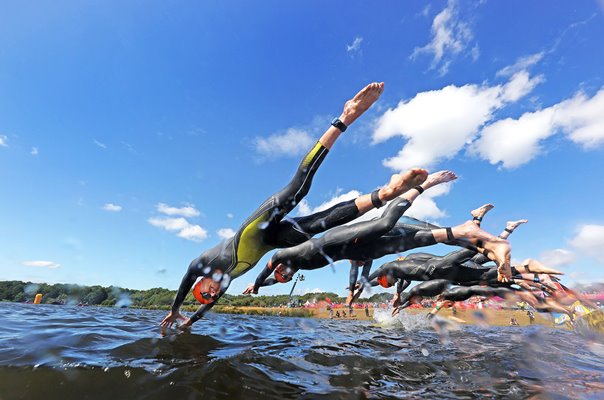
{"points": [[339, 124]]}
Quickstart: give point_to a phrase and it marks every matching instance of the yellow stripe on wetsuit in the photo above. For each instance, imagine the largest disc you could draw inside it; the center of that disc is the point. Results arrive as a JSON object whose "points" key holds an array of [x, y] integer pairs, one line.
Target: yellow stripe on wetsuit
{"points": [[250, 247]]}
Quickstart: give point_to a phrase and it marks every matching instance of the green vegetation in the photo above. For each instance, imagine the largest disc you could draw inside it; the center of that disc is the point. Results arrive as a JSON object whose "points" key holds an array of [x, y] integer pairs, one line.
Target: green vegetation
{"points": [[156, 298]]}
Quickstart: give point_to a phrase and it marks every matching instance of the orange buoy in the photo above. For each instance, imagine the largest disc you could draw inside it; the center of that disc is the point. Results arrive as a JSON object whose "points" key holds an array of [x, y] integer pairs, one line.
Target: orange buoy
{"points": [[38, 298]]}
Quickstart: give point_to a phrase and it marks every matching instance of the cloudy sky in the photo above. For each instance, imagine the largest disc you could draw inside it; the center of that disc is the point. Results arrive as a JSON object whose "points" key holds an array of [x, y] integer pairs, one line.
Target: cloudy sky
{"points": [[135, 135]]}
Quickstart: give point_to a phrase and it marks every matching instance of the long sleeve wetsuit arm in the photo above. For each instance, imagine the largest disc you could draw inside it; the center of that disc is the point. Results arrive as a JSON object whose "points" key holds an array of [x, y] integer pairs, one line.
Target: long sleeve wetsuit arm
{"points": [[185, 285], [366, 269], [262, 278], [204, 308], [269, 282], [401, 285]]}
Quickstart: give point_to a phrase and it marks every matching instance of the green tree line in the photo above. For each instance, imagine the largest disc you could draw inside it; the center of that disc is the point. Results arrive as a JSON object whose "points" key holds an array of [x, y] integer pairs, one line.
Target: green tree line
{"points": [[17, 291]]}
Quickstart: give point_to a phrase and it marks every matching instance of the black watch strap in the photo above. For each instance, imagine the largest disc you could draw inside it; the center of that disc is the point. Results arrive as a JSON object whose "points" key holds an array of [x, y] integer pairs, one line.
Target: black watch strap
{"points": [[339, 124]]}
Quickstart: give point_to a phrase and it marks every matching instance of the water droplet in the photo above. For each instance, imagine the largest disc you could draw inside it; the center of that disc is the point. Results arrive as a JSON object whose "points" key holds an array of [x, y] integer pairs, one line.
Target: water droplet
{"points": [[217, 276], [127, 373]]}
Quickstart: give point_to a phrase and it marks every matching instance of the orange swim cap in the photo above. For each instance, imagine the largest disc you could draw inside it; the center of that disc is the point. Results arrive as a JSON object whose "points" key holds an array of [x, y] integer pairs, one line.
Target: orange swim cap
{"points": [[283, 274], [203, 297], [383, 281]]}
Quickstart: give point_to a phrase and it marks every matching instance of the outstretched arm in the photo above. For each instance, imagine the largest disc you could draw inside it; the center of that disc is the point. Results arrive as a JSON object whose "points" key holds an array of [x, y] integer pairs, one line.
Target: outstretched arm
{"points": [[262, 279], [251, 289], [193, 272]]}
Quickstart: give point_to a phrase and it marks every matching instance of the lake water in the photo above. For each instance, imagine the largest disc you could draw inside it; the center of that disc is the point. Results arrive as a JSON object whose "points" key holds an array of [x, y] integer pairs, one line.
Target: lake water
{"points": [[65, 352]]}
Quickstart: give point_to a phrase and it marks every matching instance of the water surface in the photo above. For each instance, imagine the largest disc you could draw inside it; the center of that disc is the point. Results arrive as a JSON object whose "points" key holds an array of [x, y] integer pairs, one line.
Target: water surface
{"points": [[65, 352]]}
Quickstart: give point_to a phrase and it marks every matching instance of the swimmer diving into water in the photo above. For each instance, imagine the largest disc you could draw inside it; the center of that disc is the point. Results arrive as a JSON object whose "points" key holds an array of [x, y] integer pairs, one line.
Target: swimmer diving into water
{"points": [[368, 240], [267, 227]]}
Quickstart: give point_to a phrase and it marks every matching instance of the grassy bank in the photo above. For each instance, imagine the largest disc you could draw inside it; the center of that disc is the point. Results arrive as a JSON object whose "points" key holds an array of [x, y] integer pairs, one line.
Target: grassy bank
{"points": [[485, 316]]}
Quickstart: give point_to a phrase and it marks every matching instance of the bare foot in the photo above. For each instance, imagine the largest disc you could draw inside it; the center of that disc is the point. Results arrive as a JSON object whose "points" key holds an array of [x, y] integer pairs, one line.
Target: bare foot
{"points": [[501, 255], [400, 183], [480, 212], [356, 106], [511, 225], [498, 250], [531, 266], [439, 177]]}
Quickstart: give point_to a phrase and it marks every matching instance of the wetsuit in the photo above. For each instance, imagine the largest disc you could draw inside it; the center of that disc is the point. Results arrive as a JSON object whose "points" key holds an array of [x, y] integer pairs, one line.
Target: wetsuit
{"points": [[442, 286], [360, 241], [457, 266], [424, 266], [354, 272], [265, 230]]}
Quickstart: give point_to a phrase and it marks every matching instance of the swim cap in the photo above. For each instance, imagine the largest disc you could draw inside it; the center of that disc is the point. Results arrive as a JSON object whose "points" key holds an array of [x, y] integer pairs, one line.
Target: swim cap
{"points": [[383, 281], [203, 297], [283, 274]]}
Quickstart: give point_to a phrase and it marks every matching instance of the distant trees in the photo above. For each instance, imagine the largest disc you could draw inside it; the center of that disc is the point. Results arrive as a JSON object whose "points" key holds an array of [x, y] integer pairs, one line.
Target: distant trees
{"points": [[18, 291]]}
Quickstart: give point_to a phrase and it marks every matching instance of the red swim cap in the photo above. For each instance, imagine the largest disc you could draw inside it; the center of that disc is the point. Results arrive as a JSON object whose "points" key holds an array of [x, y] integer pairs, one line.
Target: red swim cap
{"points": [[203, 297], [383, 281]]}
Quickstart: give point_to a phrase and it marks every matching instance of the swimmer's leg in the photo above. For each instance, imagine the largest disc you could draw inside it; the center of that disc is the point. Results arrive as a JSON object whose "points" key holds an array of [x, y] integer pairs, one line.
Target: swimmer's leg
{"points": [[531, 266], [510, 227], [480, 212], [284, 201], [494, 248]]}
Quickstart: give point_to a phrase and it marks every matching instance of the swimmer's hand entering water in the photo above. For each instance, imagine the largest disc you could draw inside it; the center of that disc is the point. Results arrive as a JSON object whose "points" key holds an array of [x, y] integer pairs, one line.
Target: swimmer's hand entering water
{"points": [[171, 318], [186, 325]]}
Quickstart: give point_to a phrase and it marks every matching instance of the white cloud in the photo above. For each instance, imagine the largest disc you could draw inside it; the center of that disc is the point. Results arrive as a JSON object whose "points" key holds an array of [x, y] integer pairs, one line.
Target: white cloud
{"points": [[304, 207], [230, 216], [292, 143], [34, 151], [226, 233], [185, 229], [186, 211], [41, 264], [439, 123], [101, 145], [425, 11], [521, 64], [424, 207], [514, 142], [557, 258], [193, 232], [450, 36], [3, 140], [112, 207], [355, 47], [590, 241], [315, 290]]}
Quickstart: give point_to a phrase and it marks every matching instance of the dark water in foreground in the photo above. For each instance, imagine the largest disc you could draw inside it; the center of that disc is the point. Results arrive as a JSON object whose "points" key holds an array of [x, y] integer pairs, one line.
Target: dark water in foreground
{"points": [[61, 352]]}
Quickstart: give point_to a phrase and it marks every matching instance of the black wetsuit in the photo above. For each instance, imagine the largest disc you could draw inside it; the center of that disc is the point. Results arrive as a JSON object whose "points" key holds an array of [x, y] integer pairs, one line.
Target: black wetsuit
{"points": [[354, 272], [456, 267], [459, 293], [360, 241], [265, 230]]}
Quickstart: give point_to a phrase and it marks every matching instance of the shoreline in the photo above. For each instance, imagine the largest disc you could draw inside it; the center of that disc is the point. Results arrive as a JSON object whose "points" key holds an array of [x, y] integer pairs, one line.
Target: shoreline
{"points": [[491, 317]]}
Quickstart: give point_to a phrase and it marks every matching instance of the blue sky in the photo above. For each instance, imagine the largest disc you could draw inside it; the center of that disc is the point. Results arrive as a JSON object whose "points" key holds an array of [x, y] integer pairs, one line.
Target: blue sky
{"points": [[134, 134]]}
